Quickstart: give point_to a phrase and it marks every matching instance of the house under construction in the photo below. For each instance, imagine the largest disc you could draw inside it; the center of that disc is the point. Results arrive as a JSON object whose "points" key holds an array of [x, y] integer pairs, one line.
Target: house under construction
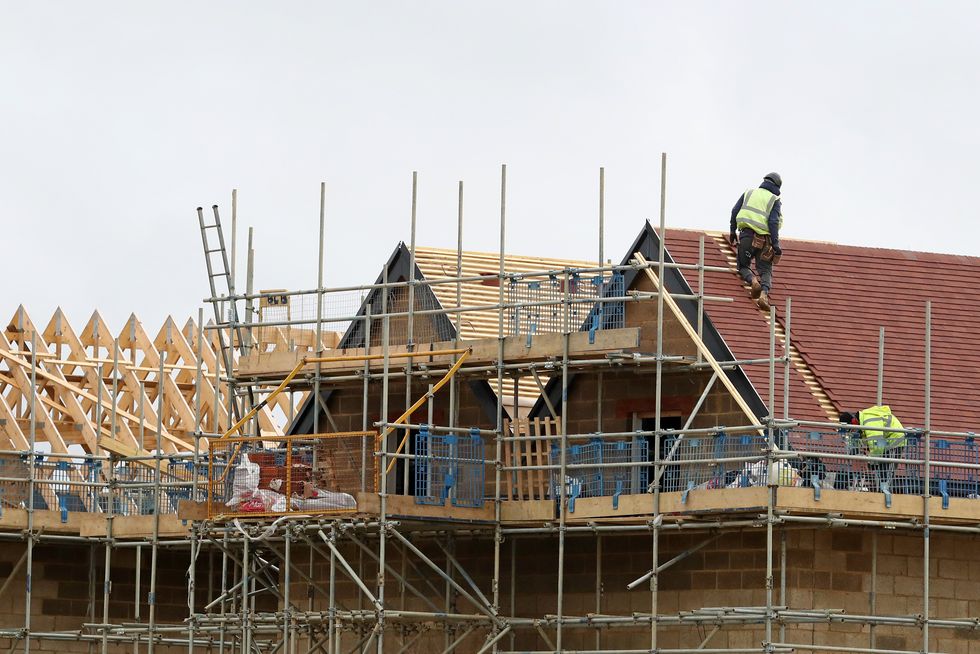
{"points": [[484, 452]]}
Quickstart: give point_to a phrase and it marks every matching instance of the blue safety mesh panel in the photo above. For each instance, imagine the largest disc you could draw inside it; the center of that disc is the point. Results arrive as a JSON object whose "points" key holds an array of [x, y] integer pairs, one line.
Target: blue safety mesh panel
{"points": [[607, 315], [945, 480], [470, 471], [819, 467], [709, 469], [825, 470], [449, 466], [535, 304], [599, 478]]}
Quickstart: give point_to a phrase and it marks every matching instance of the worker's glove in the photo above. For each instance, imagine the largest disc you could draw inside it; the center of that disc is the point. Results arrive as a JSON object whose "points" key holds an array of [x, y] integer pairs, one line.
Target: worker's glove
{"points": [[778, 251], [733, 239]]}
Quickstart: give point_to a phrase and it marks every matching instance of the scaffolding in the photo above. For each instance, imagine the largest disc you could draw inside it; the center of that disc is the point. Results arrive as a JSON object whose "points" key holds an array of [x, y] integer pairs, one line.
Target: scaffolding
{"points": [[396, 571]]}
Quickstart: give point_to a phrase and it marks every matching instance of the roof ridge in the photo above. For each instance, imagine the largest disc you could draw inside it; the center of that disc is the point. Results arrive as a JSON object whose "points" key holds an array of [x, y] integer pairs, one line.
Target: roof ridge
{"points": [[945, 257], [809, 377]]}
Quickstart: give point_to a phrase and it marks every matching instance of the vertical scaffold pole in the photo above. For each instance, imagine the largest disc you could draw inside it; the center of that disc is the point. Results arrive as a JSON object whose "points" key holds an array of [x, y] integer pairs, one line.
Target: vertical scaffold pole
{"points": [[110, 496], [453, 382], [498, 536], [319, 311], [772, 478], [195, 543], [599, 376], [32, 491], [658, 464], [563, 459], [234, 236], [410, 326], [287, 610], [246, 580], [873, 594], [602, 217], [224, 585], [927, 477], [787, 360], [364, 399], [155, 543], [383, 501], [787, 343], [700, 291], [333, 635], [879, 400], [598, 587]]}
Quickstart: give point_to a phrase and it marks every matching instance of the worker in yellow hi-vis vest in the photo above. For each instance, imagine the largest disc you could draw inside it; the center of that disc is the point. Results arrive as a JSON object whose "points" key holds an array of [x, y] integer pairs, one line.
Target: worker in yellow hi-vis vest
{"points": [[877, 441], [754, 232]]}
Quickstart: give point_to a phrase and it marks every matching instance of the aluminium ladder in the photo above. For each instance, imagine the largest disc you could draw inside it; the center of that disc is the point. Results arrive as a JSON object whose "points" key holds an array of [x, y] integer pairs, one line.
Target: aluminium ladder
{"points": [[231, 321]]}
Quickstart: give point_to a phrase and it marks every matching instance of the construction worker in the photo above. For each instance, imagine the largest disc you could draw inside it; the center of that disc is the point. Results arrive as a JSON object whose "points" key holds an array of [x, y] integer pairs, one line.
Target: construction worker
{"points": [[878, 443], [757, 217]]}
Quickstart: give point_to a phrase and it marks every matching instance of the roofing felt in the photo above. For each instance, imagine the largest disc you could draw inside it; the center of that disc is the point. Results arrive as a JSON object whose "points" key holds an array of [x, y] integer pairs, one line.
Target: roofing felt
{"points": [[841, 295]]}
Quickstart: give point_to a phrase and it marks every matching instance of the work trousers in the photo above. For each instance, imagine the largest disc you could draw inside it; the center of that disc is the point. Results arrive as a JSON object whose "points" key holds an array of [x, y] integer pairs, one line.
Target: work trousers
{"points": [[746, 253]]}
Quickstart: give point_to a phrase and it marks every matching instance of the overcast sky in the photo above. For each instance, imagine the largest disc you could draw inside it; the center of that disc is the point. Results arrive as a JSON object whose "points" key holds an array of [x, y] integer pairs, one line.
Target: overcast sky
{"points": [[118, 119]]}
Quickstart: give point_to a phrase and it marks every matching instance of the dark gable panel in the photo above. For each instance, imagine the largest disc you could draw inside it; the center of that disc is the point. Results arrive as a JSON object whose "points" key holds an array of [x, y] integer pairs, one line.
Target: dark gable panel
{"points": [[398, 268], [648, 243]]}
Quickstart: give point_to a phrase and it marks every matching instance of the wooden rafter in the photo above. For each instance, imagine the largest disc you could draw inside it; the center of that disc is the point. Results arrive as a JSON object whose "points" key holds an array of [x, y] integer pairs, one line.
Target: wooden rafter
{"points": [[80, 393]]}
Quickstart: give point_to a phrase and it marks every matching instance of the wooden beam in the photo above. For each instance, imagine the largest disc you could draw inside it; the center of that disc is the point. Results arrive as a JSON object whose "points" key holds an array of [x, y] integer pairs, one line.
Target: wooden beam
{"points": [[7, 354], [11, 429], [516, 348], [60, 328], [44, 419]]}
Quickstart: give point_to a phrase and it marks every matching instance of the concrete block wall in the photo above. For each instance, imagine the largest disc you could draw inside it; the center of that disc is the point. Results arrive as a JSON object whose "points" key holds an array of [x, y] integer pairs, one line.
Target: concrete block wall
{"points": [[66, 588], [632, 392], [347, 402], [826, 570]]}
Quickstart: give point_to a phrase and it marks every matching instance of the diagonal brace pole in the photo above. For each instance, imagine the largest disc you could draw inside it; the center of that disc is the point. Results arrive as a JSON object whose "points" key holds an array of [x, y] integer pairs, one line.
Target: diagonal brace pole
{"points": [[463, 572], [452, 582], [418, 404], [350, 572], [680, 557]]}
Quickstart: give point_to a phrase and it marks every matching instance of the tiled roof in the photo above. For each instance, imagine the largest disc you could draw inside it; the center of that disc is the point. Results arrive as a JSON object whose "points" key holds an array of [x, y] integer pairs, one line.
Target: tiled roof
{"points": [[841, 295], [745, 328]]}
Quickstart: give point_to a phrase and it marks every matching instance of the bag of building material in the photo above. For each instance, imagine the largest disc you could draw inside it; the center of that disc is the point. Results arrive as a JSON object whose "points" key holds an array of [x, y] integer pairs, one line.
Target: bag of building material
{"points": [[324, 500], [756, 474], [245, 482], [272, 502]]}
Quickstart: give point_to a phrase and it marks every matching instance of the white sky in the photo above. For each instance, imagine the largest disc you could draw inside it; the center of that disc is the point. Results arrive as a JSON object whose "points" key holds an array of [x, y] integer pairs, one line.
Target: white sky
{"points": [[118, 119]]}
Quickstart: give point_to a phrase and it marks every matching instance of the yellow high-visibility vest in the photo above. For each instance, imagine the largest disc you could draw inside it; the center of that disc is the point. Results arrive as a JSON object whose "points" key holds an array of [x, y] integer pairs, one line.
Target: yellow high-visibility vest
{"points": [[757, 204], [878, 442]]}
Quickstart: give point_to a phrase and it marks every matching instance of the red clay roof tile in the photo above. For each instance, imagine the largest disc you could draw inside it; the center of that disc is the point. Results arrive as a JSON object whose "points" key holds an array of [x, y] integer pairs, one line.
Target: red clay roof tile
{"points": [[841, 295]]}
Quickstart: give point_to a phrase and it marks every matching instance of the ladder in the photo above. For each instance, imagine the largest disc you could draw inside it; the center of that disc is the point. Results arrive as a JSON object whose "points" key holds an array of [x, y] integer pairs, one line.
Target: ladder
{"points": [[219, 273]]}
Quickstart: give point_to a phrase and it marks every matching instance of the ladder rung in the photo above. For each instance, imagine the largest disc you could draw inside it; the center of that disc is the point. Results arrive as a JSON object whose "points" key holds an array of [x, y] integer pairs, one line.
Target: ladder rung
{"points": [[213, 226], [215, 250], [220, 274]]}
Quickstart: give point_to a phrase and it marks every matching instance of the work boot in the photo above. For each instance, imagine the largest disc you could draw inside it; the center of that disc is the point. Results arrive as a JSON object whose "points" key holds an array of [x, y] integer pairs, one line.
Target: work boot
{"points": [[756, 288], [763, 301]]}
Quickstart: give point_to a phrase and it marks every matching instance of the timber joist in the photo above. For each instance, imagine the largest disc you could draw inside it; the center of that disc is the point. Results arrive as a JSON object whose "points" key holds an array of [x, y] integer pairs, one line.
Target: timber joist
{"points": [[541, 347]]}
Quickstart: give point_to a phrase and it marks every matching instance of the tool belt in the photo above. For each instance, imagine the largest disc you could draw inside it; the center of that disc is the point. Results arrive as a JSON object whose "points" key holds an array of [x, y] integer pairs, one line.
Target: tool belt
{"points": [[764, 243]]}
